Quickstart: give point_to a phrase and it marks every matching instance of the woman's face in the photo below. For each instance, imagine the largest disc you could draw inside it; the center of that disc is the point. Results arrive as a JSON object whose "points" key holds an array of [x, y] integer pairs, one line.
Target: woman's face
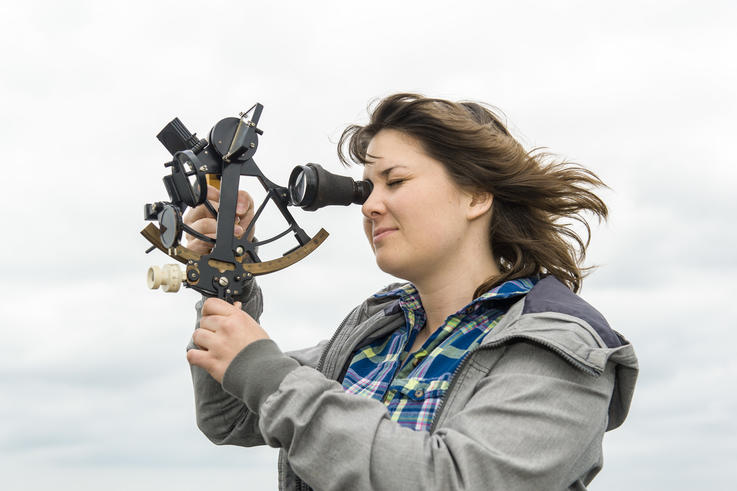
{"points": [[416, 216]]}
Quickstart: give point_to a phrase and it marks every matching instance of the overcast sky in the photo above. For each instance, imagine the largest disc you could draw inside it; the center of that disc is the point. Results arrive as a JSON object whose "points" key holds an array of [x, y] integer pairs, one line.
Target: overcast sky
{"points": [[94, 386]]}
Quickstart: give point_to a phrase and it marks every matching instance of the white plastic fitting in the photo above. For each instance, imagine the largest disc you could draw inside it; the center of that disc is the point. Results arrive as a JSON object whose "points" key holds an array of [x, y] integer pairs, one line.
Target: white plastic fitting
{"points": [[169, 277]]}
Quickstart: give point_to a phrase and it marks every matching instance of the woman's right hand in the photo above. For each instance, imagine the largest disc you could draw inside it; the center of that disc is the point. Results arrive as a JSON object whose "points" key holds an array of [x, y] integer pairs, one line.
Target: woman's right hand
{"points": [[200, 219]]}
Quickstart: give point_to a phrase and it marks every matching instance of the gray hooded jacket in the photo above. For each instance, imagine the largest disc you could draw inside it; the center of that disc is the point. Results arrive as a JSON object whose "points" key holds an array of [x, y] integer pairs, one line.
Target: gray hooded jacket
{"points": [[526, 410]]}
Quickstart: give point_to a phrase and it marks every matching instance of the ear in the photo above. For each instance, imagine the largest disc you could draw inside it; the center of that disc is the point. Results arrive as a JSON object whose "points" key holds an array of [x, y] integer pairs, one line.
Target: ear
{"points": [[479, 204]]}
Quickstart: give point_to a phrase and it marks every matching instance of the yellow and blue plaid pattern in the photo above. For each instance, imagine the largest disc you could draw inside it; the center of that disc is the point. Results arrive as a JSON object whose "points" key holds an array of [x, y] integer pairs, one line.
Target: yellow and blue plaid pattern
{"points": [[412, 385]]}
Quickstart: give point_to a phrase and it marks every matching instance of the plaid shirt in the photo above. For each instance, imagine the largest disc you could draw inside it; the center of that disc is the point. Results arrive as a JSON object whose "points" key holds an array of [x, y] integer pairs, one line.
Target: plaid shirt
{"points": [[412, 385]]}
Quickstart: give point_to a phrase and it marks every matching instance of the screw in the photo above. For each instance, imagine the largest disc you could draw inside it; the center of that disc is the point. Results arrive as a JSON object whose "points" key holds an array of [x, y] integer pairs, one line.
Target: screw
{"points": [[239, 250], [203, 168], [253, 145], [249, 276], [227, 291], [223, 281]]}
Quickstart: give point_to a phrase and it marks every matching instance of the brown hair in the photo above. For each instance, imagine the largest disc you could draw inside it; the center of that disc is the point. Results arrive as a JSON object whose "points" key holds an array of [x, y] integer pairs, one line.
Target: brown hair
{"points": [[535, 196]]}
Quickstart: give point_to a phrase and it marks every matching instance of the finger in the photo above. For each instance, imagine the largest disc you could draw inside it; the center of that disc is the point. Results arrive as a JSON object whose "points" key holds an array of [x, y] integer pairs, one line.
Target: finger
{"points": [[198, 357], [245, 222], [198, 212], [208, 226], [203, 338], [204, 226], [200, 246], [245, 203], [244, 212], [212, 322], [213, 193], [216, 306]]}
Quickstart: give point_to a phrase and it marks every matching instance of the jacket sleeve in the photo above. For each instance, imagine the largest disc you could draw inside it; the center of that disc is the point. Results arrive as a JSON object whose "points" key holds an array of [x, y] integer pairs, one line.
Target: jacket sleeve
{"points": [[533, 422], [224, 419]]}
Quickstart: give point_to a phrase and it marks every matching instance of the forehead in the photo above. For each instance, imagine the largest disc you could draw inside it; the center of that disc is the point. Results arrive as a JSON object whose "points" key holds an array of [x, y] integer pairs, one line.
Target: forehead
{"points": [[392, 149]]}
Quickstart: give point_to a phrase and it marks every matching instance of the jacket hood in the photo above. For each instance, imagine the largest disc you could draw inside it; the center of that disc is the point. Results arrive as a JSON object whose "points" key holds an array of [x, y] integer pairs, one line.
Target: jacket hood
{"points": [[554, 317]]}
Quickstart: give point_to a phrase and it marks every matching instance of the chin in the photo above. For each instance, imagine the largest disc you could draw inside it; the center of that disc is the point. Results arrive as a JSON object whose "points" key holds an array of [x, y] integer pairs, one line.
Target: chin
{"points": [[395, 268]]}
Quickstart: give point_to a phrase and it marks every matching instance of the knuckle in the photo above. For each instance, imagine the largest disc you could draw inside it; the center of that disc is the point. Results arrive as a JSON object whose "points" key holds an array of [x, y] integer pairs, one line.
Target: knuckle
{"points": [[231, 324]]}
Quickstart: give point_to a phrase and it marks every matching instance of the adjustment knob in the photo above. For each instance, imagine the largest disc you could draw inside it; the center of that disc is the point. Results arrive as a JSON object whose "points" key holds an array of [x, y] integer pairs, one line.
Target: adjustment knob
{"points": [[169, 277]]}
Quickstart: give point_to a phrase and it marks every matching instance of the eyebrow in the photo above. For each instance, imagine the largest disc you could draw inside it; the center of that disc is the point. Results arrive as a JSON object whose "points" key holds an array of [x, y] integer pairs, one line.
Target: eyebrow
{"points": [[386, 171]]}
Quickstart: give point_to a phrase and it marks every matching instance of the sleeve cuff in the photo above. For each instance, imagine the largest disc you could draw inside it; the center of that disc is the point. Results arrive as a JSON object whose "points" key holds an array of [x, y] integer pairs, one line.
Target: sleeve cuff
{"points": [[256, 372]]}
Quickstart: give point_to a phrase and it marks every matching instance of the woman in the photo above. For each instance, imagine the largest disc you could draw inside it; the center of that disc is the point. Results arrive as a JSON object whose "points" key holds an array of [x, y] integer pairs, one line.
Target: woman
{"points": [[484, 371]]}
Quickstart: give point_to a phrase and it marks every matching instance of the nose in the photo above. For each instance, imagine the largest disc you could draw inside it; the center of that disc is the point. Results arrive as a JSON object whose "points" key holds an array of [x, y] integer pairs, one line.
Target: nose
{"points": [[373, 206]]}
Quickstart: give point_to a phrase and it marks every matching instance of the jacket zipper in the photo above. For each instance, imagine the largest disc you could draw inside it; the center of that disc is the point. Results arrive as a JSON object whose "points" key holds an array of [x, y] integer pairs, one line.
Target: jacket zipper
{"points": [[324, 354], [496, 344], [301, 485]]}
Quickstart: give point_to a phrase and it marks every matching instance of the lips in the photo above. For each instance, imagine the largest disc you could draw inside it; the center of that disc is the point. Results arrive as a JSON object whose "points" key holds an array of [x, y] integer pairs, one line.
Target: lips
{"points": [[382, 232]]}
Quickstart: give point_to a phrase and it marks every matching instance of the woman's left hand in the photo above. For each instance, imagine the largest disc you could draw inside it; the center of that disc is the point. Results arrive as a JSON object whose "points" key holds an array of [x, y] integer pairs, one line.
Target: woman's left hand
{"points": [[224, 331]]}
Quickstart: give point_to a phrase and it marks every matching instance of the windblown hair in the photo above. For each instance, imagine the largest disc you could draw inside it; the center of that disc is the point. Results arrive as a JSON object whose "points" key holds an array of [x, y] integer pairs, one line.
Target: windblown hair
{"points": [[535, 196]]}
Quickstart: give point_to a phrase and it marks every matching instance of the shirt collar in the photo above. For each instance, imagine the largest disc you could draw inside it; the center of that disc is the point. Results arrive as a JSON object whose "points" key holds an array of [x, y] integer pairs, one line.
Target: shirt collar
{"points": [[409, 296]]}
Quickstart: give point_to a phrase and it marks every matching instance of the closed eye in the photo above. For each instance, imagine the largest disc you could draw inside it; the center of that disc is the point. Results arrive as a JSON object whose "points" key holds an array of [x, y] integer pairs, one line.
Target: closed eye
{"points": [[394, 183]]}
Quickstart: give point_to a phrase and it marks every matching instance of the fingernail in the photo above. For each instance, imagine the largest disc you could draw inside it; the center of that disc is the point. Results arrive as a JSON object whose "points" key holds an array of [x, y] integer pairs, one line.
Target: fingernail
{"points": [[238, 230]]}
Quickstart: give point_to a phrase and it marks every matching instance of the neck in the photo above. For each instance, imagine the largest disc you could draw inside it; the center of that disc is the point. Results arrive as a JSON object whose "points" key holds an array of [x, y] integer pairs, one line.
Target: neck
{"points": [[447, 290]]}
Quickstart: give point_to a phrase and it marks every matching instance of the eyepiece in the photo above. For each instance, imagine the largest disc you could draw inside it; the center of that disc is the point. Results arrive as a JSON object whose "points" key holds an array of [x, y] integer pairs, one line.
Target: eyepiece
{"points": [[303, 185], [312, 187]]}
